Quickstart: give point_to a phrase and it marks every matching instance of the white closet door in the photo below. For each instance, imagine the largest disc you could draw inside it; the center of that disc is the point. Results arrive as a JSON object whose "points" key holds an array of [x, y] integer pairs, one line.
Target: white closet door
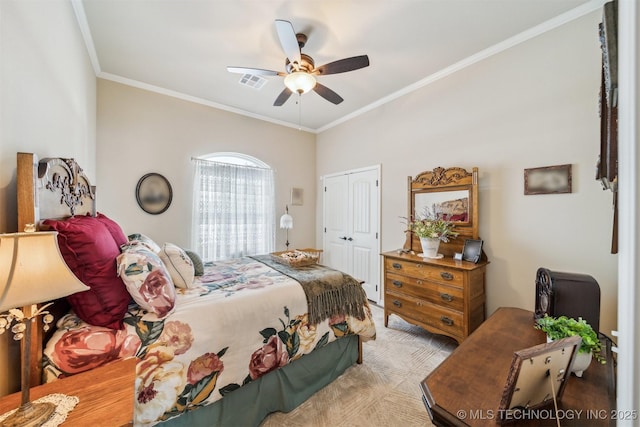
{"points": [[336, 218], [351, 213]]}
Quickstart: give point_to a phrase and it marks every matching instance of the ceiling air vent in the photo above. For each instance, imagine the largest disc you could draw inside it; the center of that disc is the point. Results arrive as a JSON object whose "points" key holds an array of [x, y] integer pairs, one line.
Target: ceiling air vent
{"points": [[252, 80]]}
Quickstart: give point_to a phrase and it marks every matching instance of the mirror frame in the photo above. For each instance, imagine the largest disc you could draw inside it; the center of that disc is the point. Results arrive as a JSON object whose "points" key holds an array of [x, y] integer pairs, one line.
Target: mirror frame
{"points": [[443, 180]]}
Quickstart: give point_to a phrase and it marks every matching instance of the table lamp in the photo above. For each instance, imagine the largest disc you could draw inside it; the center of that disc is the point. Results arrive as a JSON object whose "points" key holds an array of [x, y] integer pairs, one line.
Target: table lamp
{"points": [[286, 222], [32, 271]]}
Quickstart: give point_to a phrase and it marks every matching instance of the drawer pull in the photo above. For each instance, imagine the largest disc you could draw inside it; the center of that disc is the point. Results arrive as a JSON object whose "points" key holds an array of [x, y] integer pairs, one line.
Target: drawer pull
{"points": [[447, 321], [397, 303], [446, 297], [446, 275], [397, 283], [397, 266]]}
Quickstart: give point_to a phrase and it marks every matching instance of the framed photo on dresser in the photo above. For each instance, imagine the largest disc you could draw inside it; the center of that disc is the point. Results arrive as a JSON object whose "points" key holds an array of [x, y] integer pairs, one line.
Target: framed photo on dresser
{"points": [[472, 250]]}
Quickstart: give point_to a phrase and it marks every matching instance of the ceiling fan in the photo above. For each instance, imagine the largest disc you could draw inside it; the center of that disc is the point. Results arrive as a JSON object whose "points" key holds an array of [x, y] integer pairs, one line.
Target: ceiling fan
{"points": [[300, 75]]}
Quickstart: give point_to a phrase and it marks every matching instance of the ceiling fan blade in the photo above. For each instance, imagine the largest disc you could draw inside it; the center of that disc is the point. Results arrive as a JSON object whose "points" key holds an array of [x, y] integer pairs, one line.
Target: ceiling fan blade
{"points": [[289, 42], [282, 98], [254, 71], [343, 65], [327, 94]]}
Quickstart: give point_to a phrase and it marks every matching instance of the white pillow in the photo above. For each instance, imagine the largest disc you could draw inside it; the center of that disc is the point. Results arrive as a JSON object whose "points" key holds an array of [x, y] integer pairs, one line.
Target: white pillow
{"points": [[178, 264]]}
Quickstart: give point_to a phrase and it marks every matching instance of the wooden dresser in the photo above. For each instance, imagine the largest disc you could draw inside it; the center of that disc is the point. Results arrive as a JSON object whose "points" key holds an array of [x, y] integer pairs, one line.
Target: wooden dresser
{"points": [[443, 296]]}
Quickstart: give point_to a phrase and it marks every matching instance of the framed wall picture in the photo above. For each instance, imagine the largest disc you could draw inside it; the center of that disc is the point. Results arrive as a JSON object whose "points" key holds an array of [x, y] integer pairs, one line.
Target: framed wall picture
{"points": [[548, 180], [297, 196], [154, 193]]}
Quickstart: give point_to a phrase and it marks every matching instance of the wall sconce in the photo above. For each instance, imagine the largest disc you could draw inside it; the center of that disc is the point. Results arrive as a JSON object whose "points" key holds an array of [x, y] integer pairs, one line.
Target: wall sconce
{"points": [[286, 222]]}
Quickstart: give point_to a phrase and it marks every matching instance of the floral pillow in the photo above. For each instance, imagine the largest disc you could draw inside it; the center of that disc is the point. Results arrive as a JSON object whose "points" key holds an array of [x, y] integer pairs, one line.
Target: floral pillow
{"points": [[179, 265], [145, 240], [147, 279], [77, 346]]}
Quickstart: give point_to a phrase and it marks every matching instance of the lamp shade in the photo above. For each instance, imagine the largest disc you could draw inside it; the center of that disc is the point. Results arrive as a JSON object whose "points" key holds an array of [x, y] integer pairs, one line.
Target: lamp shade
{"points": [[286, 221], [300, 82], [32, 270]]}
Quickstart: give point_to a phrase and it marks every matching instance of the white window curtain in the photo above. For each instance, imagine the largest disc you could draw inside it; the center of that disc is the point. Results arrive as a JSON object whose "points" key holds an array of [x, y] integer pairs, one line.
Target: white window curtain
{"points": [[233, 210]]}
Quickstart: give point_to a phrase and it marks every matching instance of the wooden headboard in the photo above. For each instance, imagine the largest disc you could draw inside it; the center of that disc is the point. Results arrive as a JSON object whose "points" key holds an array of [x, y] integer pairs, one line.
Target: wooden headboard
{"points": [[51, 188]]}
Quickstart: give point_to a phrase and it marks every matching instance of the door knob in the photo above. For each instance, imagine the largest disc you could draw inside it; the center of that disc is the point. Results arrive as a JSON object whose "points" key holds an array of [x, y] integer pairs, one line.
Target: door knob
{"points": [[342, 238]]}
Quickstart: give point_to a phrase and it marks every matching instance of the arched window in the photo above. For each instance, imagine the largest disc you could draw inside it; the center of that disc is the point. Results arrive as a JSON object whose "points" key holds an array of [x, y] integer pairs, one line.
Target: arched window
{"points": [[233, 206]]}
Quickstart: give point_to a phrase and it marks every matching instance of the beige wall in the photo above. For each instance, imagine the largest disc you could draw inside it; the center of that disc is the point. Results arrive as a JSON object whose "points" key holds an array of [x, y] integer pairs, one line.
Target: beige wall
{"points": [[47, 106], [533, 105], [141, 132]]}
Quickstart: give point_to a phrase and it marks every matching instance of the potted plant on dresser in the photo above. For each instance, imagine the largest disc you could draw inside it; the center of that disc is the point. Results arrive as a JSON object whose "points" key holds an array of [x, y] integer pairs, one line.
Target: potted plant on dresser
{"points": [[432, 229], [562, 327]]}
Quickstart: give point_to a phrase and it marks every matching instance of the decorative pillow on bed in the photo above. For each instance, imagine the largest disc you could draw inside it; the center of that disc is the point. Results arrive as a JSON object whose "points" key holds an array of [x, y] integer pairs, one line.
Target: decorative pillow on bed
{"points": [[114, 228], [137, 237], [179, 265], [77, 346], [198, 265], [147, 280], [90, 251]]}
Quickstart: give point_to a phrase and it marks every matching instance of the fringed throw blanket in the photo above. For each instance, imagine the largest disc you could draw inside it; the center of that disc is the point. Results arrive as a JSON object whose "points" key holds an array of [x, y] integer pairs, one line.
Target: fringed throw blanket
{"points": [[329, 292]]}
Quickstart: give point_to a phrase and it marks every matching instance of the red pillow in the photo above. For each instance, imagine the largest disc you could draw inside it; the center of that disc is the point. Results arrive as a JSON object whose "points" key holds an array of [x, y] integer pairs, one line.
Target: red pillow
{"points": [[90, 251], [116, 232]]}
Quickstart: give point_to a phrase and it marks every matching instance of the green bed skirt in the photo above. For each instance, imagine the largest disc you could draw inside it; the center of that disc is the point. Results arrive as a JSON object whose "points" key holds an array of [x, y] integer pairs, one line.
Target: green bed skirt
{"points": [[282, 390]]}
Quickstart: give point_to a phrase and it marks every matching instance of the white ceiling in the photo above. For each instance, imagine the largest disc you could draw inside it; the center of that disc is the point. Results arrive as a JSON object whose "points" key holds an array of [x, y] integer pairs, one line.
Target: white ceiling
{"points": [[182, 47]]}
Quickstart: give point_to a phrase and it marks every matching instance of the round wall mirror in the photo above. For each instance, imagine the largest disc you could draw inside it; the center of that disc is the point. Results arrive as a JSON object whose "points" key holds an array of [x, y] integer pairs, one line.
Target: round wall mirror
{"points": [[154, 193]]}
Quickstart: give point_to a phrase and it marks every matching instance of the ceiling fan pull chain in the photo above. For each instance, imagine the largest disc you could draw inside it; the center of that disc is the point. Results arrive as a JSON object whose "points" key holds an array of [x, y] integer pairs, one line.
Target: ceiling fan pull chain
{"points": [[299, 111]]}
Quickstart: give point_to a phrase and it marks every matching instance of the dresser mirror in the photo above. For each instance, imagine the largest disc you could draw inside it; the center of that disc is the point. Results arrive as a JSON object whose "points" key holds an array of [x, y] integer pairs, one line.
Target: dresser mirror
{"points": [[450, 193], [450, 205]]}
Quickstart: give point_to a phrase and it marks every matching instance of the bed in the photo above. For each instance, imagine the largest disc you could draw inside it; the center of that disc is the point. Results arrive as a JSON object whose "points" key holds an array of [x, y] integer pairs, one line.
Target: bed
{"points": [[246, 330]]}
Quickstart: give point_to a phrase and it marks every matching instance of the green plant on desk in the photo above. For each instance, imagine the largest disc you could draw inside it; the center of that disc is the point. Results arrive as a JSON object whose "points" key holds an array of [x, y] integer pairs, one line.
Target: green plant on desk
{"points": [[561, 327]]}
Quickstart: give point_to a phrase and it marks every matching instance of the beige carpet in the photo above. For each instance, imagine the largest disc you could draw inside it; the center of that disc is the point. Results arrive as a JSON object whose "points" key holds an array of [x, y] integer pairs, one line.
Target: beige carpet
{"points": [[384, 390]]}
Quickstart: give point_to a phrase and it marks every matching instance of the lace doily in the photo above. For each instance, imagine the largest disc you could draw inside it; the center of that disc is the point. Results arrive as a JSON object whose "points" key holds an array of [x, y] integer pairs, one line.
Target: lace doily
{"points": [[64, 405]]}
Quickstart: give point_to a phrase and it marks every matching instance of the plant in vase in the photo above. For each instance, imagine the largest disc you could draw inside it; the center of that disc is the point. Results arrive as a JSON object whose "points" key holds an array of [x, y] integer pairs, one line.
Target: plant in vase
{"points": [[432, 229], [562, 327]]}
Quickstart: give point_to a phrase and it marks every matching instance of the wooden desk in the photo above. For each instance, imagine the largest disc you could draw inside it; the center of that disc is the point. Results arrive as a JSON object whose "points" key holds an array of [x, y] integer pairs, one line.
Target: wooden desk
{"points": [[105, 395], [465, 390]]}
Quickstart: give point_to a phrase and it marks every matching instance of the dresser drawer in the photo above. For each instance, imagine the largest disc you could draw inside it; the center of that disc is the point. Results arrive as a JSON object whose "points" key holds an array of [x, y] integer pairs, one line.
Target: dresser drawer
{"points": [[436, 316], [447, 296], [445, 275]]}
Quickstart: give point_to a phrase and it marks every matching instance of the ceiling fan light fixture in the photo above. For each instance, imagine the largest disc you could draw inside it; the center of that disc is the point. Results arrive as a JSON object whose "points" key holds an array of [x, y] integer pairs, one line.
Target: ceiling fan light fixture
{"points": [[300, 82]]}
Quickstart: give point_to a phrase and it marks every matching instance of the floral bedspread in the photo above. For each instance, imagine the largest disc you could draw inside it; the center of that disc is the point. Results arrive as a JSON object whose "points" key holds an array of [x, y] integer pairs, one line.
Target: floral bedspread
{"points": [[242, 321]]}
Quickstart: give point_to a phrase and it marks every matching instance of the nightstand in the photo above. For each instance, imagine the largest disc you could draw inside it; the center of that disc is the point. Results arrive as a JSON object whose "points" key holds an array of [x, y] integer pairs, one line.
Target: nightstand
{"points": [[106, 395]]}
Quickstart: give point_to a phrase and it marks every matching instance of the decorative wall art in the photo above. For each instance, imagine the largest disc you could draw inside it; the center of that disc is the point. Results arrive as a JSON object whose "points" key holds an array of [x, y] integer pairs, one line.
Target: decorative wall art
{"points": [[548, 180], [154, 193], [607, 165], [297, 196]]}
